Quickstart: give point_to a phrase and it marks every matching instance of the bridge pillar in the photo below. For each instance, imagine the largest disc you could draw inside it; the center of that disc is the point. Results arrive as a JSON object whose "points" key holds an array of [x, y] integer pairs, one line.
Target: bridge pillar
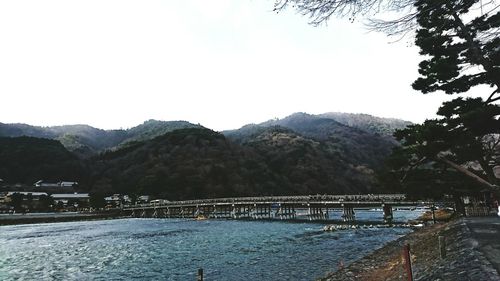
{"points": [[348, 213], [233, 212], [388, 216]]}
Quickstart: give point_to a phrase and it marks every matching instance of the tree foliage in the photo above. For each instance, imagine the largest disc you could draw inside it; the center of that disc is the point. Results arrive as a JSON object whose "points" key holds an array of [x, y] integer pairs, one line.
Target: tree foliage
{"points": [[460, 41], [200, 163], [27, 160], [465, 139], [460, 54]]}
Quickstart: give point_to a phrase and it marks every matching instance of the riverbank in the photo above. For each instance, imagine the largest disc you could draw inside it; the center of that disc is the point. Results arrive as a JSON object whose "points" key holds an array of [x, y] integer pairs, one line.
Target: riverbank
{"points": [[31, 218], [463, 261]]}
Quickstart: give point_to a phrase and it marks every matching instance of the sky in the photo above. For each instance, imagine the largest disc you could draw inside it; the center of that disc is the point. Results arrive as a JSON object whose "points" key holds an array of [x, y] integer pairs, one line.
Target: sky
{"points": [[219, 63]]}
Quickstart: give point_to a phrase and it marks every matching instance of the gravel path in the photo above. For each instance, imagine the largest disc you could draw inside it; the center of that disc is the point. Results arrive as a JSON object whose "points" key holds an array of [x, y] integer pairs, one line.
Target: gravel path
{"points": [[464, 260]]}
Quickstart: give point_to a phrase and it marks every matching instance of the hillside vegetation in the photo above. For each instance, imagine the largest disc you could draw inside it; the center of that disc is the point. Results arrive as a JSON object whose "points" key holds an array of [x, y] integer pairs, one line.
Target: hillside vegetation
{"points": [[27, 160], [86, 141], [299, 154], [195, 163]]}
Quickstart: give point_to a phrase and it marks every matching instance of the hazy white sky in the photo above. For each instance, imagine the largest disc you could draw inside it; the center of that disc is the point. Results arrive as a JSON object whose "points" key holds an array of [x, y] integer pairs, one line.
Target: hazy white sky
{"points": [[222, 64]]}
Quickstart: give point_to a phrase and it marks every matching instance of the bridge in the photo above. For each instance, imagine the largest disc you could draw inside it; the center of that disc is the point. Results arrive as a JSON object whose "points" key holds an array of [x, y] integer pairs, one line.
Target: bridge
{"points": [[311, 207]]}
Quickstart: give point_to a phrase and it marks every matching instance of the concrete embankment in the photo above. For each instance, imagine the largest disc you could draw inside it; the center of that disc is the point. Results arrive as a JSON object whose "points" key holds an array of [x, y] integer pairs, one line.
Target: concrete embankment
{"points": [[464, 259], [30, 218]]}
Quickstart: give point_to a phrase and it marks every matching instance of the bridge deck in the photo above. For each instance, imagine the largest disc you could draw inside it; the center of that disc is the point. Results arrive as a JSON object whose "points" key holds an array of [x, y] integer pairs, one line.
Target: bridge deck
{"points": [[330, 201]]}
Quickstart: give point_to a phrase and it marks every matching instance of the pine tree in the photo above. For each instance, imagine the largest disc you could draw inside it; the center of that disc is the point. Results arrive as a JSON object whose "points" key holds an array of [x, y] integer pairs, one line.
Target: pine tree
{"points": [[461, 55]]}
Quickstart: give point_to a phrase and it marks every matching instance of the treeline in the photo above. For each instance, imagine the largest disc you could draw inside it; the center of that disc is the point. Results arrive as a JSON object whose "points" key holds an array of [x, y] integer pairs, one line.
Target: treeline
{"points": [[199, 163], [26, 160]]}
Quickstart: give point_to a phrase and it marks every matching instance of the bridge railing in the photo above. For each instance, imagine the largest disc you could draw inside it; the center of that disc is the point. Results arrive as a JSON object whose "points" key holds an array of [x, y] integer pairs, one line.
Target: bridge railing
{"points": [[279, 199]]}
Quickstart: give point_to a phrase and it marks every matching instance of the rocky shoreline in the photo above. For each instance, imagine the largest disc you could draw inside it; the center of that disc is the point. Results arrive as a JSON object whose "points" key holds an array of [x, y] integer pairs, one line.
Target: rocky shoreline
{"points": [[462, 262]]}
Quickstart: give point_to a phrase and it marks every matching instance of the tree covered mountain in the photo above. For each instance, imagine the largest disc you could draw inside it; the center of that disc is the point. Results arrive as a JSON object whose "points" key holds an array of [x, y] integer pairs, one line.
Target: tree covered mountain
{"points": [[85, 140], [299, 154], [359, 146], [198, 163], [27, 159], [368, 123]]}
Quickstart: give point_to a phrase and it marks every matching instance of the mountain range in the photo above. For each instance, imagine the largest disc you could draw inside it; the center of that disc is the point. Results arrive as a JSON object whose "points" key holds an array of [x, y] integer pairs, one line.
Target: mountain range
{"points": [[299, 154]]}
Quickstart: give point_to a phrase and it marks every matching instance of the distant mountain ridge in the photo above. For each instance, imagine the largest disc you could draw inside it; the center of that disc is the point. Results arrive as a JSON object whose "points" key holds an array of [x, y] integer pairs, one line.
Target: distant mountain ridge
{"points": [[200, 163], [367, 142], [85, 140], [28, 159], [299, 154], [369, 123]]}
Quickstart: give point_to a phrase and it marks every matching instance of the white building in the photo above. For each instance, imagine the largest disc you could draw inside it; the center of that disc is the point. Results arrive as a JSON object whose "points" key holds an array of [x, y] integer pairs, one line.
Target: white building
{"points": [[64, 198]]}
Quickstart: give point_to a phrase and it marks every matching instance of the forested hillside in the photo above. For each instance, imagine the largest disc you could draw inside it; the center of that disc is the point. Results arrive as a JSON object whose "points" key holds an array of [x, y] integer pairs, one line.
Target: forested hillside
{"points": [[194, 163], [86, 141], [27, 160], [355, 145], [299, 154]]}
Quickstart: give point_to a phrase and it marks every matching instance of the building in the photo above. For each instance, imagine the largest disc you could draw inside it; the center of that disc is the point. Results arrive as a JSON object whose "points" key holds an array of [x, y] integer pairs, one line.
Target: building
{"points": [[143, 199], [74, 199], [116, 200], [4, 207], [34, 196], [56, 187], [67, 183], [42, 183]]}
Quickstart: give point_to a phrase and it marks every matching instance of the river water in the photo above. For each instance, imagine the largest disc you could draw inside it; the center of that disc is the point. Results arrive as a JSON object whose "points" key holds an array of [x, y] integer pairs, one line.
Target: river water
{"points": [[173, 249]]}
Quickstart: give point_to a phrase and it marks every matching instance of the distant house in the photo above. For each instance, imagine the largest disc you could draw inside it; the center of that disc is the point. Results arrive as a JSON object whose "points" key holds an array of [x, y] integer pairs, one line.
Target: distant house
{"points": [[65, 198], [143, 199], [56, 187], [3, 205], [67, 183], [42, 183], [35, 196], [2, 197], [114, 200]]}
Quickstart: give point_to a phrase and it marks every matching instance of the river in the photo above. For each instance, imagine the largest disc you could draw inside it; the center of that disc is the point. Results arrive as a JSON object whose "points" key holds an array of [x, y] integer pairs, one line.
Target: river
{"points": [[173, 249]]}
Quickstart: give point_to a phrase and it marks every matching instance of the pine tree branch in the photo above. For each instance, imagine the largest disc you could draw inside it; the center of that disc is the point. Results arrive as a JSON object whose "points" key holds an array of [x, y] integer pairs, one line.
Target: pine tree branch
{"points": [[476, 50], [411, 167], [466, 172], [491, 99]]}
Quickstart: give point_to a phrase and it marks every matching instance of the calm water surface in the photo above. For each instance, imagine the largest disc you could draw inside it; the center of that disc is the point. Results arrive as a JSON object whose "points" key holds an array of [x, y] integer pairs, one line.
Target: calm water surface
{"points": [[171, 249]]}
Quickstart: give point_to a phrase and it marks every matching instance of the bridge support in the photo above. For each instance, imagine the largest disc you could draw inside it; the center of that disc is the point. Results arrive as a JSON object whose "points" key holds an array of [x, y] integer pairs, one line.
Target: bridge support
{"points": [[234, 212], [316, 212], [285, 212], [388, 216], [348, 213]]}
